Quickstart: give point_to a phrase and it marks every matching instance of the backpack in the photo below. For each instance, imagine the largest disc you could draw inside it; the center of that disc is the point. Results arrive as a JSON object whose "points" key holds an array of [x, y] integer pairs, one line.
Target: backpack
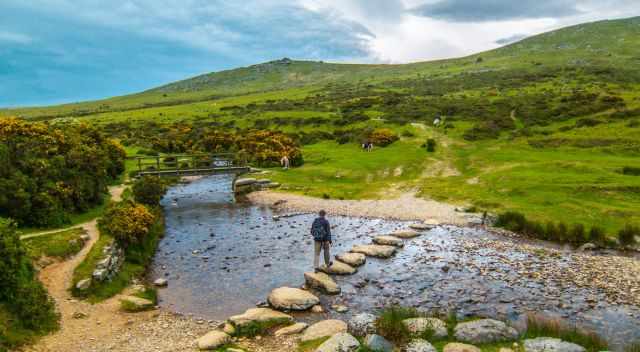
{"points": [[318, 230]]}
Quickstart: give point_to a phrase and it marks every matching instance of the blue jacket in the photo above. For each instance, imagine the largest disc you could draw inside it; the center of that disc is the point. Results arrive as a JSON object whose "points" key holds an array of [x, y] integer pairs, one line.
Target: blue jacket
{"points": [[324, 224]]}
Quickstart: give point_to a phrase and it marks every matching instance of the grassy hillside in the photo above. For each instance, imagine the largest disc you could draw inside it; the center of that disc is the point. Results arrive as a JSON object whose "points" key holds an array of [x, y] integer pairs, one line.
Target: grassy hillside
{"points": [[545, 126]]}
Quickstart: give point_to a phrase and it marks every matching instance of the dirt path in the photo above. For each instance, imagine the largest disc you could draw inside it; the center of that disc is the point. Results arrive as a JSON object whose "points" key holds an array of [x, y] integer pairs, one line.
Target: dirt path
{"points": [[405, 207]]}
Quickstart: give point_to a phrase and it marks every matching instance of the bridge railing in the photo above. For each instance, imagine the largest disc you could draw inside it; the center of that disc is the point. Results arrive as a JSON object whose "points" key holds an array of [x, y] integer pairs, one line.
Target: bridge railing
{"points": [[186, 162]]}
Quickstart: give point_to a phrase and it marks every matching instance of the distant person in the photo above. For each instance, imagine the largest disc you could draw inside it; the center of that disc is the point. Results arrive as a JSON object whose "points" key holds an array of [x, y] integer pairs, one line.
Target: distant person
{"points": [[285, 162], [321, 232]]}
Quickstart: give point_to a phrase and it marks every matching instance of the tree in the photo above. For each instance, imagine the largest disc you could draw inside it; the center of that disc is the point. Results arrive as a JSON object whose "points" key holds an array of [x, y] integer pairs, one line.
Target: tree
{"points": [[149, 190], [128, 222]]}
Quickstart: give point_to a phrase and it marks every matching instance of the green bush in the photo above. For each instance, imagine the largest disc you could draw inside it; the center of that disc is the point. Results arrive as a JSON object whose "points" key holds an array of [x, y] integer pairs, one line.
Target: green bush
{"points": [[631, 171], [389, 323], [431, 145], [128, 222], [627, 235], [512, 221], [30, 310], [149, 190]]}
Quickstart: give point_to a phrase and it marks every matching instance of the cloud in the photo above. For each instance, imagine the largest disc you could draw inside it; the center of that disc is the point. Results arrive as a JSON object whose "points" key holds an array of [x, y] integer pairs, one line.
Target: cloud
{"points": [[496, 10], [12, 37], [511, 39]]}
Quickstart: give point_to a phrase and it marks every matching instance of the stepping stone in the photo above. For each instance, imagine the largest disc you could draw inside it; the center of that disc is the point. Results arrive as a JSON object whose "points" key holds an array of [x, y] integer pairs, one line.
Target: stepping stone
{"points": [[353, 259], [388, 241], [259, 315], [338, 268], [375, 250], [421, 226], [324, 328], [213, 340], [287, 298], [405, 234], [417, 326], [292, 329], [322, 281]]}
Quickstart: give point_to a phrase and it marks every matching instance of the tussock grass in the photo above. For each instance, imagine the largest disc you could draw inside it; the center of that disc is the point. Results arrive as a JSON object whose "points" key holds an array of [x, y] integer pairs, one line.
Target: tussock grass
{"points": [[539, 326]]}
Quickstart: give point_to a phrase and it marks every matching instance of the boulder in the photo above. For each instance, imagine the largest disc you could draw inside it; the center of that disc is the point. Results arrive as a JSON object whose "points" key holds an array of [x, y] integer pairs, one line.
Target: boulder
{"points": [[418, 326], [229, 329], [375, 250], [259, 315], [484, 331], [388, 241], [342, 342], [353, 259], [362, 324], [291, 329], [84, 284], [322, 281], [419, 345], [338, 268], [137, 302], [421, 226], [587, 247], [245, 181], [378, 343], [287, 298], [548, 344], [460, 347], [161, 282], [324, 328], [405, 234], [213, 340]]}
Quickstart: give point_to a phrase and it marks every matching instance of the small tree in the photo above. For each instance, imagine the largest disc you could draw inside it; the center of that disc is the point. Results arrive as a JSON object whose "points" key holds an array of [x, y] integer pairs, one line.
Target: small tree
{"points": [[127, 222], [149, 190]]}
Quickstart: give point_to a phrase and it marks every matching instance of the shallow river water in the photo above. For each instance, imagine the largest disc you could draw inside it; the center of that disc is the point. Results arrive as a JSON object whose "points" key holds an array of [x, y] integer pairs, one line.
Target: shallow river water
{"points": [[223, 257]]}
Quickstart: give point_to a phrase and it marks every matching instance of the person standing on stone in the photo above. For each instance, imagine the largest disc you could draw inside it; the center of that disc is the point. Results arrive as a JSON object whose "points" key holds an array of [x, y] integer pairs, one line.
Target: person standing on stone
{"points": [[321, 232], [285, 162]]}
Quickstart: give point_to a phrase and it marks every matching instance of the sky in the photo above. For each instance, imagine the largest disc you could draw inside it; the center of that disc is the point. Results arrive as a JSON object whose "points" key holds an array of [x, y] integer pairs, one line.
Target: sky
{"points": [[58, 51]]}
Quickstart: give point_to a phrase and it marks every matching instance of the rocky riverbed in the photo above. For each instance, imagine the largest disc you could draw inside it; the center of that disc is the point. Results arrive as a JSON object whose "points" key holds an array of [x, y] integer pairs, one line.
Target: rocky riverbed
{"points": [[221, 258]]}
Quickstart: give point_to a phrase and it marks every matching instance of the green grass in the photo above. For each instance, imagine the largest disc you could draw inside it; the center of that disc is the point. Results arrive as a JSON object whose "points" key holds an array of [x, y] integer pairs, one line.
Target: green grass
{"points": [[312, 345], [61, 245], [149, 293], [543, 327], [259, 327]]}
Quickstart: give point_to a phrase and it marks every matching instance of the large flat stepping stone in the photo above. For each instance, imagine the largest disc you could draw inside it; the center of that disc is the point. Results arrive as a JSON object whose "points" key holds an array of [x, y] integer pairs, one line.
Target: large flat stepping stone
{"points": [[260, 315], [388, 241], [338, 268], [213, 340], [405, 234], [342, 342], [548, 344], [484, 331], [375, 250], [417, 326], [353, 259], [324, 328], [287, 298], [421, 226], [323, 282]]}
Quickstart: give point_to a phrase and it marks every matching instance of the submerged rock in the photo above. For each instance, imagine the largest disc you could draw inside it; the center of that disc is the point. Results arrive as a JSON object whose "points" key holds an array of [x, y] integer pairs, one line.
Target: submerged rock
{"points": [[287, 298], [324, 328]]}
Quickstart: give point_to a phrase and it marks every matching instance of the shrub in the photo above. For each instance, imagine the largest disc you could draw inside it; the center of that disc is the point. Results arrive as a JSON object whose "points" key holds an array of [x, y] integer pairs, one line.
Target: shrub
{"points": [[627, 235], [382, 137], [149, 190], [631, 171], [127, 222], [597, 235], [512, 221], [431, 145], [389, 323]]}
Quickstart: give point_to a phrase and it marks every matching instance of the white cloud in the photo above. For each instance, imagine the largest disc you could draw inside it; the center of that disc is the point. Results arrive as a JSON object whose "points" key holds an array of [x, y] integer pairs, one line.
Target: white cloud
{"points": [[13, 37]]}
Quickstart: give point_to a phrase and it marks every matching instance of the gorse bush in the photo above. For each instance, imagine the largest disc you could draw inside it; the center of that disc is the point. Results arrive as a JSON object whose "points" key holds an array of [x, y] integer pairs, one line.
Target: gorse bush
{"points": [[128, 222], [627, 235], [46, 172], [382, 137], [149, 190], [21, 294]]}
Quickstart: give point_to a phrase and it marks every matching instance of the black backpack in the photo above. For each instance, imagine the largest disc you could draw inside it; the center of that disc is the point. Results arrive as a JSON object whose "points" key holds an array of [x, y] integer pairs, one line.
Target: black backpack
{"points": [[318, 230]]}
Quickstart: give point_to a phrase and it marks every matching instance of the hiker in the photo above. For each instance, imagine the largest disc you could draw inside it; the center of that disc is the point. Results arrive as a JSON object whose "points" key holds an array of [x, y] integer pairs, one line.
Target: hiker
{"points": [[321, 232], [285, 162]]}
